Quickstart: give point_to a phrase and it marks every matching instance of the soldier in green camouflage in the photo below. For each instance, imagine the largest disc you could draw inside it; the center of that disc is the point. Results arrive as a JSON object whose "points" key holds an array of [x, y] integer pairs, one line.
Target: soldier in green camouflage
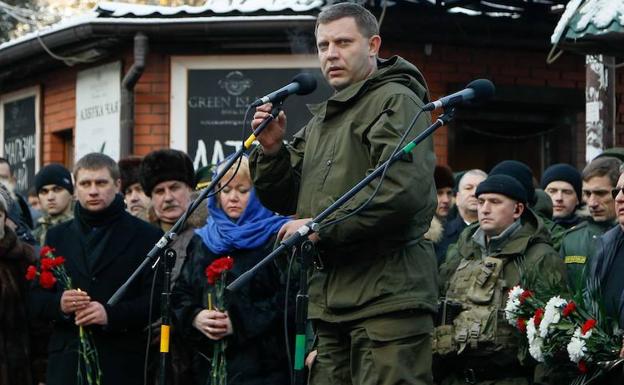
{"points": [[55, 190], [473, 342]]}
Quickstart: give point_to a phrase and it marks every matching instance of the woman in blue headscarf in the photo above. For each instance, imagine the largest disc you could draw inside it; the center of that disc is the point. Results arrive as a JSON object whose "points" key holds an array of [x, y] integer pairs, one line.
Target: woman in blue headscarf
{"points": [[252, 320]]}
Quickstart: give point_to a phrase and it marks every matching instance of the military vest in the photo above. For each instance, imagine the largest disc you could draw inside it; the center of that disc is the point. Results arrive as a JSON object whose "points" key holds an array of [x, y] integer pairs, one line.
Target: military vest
{"points": [[472, 314]]}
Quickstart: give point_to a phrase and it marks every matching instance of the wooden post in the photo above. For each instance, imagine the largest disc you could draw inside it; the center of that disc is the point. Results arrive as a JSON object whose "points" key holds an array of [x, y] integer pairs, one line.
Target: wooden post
{"points": [[600, 105]]}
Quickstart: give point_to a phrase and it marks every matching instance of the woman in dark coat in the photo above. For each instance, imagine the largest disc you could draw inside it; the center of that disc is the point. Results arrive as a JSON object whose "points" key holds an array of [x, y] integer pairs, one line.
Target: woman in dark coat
{"points": [[253, 321], [16, 361]]}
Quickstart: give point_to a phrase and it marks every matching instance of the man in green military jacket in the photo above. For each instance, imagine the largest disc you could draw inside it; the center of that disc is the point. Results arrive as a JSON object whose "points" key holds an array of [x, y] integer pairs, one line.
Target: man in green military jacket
{"points": [[372, 301], [600, 176], [507, 247]]}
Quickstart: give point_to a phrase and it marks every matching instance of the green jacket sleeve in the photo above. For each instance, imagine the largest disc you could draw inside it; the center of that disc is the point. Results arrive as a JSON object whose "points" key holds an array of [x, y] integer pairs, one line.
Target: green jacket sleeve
{"points": [[407, 192], [277, 178]]}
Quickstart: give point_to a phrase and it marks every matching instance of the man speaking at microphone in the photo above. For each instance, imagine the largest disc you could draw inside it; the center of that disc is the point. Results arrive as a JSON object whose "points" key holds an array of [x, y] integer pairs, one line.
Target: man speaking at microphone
{"points": [[373, 292]]}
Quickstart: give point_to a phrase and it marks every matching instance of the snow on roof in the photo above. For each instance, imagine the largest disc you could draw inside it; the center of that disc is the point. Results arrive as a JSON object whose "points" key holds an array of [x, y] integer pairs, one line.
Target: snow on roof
{"points": [[123, 13], [580, 15], [217, 6]]}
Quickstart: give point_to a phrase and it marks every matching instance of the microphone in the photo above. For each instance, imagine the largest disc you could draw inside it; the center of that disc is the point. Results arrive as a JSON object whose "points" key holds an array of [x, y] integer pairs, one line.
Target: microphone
{"points": [[302, 84], [476, 91]]}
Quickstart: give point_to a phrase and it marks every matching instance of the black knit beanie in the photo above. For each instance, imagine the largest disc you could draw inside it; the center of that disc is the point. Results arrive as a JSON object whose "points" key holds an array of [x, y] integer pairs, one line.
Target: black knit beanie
{"points": [[503, 184], [54, 174], [521, 173], [566, 173], [163, 165]]}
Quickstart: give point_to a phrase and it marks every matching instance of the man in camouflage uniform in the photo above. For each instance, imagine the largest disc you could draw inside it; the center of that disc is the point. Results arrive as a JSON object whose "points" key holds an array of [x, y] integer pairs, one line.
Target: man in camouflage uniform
{"points": [[579, 245], [55, 190], [474, 344]]}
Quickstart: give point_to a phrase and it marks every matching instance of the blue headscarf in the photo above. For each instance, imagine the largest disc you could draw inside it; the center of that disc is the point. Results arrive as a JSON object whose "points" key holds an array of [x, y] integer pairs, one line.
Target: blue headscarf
{"points": [[251, 230]]}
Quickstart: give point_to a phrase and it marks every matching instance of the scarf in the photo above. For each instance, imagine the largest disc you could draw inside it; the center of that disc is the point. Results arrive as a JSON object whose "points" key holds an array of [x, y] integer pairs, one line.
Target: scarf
{"points": [[96, 228], [251, 230]]}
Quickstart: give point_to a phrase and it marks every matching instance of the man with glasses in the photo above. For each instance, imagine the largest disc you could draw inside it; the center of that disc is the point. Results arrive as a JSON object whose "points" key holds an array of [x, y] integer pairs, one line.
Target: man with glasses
{"points": [[579, 245]]}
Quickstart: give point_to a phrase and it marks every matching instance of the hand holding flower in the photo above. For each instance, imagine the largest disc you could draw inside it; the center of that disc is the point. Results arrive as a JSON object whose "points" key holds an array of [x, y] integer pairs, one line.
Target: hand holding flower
{"points": [[213, 324], [93, 314], [74, 300]]}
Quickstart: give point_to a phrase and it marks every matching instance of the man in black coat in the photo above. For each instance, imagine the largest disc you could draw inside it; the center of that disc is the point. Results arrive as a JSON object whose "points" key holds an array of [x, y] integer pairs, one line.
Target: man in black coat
{"points": [[102, 245]]}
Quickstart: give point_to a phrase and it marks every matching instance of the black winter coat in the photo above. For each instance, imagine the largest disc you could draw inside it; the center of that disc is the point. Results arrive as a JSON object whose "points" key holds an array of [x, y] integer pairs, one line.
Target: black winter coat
{"points": [[121, 344], [256, 352], [16, 351]]}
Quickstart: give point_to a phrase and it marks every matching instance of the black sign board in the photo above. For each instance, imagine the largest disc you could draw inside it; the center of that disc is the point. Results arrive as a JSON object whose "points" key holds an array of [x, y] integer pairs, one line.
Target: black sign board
{"points": [[20, 141], [218, 98]]}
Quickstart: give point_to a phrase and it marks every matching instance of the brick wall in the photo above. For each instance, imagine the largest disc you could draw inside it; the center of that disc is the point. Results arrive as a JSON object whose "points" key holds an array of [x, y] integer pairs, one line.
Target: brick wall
{"points": [[58, 113], [444, 67], [152, 96]]}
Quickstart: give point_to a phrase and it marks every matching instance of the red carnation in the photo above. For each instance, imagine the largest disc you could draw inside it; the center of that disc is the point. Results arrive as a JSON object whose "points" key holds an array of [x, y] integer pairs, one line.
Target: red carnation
{"points": [[588, 325], [521, 324], [525, 295], [31, 273], [58, 261], [569, 309], [582, 367], [47, 263], [218, 266], [45, 250], [47, 279], [539, 314]]}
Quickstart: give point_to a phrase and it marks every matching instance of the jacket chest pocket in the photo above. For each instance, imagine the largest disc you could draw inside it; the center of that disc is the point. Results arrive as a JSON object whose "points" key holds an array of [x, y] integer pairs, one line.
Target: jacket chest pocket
{"points": [[485, 280]]}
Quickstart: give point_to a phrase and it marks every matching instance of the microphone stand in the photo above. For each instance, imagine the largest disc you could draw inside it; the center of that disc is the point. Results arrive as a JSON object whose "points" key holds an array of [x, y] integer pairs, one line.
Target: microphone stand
{"points": [[162, 247], [313, 226]]}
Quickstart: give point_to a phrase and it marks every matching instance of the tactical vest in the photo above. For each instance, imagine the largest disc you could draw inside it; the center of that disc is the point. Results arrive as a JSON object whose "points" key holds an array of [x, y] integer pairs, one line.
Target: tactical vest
{"points": [[473, 317]]}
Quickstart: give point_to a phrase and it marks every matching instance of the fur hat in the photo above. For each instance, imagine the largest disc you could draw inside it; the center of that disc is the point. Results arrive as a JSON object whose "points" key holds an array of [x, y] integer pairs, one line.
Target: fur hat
{"points": [[164, 165], [443, 177], [129, 168], [54, 174], [503, 184]]}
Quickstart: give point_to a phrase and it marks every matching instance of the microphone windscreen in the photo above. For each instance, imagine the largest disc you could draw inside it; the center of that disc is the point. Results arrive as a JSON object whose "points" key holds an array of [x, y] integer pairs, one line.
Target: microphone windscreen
{"points": [[483, 90], [307, 83]]}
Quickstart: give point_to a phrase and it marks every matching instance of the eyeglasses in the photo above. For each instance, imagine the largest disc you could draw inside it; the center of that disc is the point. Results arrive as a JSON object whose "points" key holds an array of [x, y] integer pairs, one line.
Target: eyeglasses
{"points": [[616, 191]]}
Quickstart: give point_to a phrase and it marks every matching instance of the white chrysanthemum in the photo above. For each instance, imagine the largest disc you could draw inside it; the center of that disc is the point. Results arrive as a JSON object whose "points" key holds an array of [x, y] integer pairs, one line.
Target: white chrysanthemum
{"points": [[511, 311], [535, 349], [515, 293], [512, 305], [552, 314], [576, 349], [530, 330]]}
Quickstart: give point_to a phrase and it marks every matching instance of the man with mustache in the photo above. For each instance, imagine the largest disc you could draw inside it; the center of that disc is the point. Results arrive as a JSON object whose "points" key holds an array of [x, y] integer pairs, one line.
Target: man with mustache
{"points": [[373, 291], [167, 177], [579, 245], [55, 190]]}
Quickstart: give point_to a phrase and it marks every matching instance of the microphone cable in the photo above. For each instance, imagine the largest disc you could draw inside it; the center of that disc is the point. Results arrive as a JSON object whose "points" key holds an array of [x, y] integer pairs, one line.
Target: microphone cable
{"points": [[381, 178]]}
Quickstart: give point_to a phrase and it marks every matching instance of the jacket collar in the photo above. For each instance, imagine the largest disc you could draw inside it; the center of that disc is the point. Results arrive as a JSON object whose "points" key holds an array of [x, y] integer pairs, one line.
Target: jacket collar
{"points": [[337, 100]]}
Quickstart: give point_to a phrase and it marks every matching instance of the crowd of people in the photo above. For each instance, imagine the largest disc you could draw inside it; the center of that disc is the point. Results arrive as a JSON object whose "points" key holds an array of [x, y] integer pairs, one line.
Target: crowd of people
{"points": [[403, 290]]}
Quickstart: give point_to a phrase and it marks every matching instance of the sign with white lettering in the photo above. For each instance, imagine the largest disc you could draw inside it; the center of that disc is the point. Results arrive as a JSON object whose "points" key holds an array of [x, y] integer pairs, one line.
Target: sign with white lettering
{"points": [[19, 123], [98, 91], [217, 100], [210, 95]]}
